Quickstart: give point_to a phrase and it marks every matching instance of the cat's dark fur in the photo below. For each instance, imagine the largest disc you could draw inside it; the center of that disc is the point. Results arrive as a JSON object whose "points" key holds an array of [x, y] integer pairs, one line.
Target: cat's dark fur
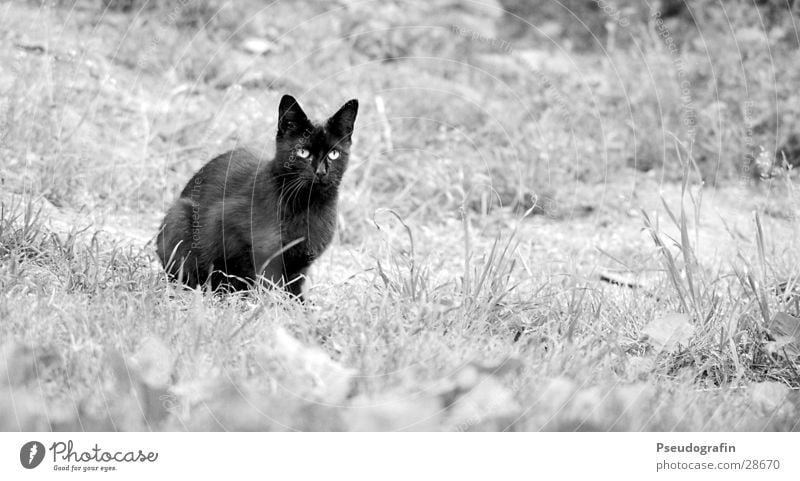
{"points": [[241, 216]]}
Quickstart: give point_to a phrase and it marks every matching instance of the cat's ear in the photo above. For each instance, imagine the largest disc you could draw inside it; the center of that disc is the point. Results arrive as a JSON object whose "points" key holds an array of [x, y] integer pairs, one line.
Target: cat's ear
{"points": [[342, 121], [291, 118]]}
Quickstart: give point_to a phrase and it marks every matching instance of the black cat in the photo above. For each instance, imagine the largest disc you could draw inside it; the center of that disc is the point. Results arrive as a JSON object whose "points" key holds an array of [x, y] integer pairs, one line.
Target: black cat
{"points": [[240, 216]]}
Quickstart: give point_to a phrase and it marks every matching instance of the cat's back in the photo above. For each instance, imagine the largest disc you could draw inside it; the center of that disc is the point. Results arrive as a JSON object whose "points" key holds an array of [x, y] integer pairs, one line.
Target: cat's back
{"points": [[225, 174]]}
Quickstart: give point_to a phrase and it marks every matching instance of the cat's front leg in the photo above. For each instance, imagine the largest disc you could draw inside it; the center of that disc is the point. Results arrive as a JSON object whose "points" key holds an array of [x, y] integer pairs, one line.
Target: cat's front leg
{"points": [[273, 268], [177, 242], [268, 266], [295, 284]]}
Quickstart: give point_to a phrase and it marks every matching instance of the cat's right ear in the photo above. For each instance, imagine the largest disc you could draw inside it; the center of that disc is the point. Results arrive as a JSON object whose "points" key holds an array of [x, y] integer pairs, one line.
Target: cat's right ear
{"points": [[291, 118], [341, 123]]}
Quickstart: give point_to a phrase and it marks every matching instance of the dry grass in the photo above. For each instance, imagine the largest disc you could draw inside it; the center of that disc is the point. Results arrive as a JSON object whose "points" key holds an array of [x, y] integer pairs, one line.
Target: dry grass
{"points": [[488, 191]]}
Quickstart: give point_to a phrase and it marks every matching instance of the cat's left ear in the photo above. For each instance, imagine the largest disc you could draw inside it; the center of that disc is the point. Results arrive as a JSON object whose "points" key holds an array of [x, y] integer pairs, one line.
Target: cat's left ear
{"points": [[291, 118], [342, 121]]}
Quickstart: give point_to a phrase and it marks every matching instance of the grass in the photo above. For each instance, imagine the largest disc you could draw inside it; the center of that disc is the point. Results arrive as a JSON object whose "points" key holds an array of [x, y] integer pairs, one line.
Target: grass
{"points": [[486, 192]]}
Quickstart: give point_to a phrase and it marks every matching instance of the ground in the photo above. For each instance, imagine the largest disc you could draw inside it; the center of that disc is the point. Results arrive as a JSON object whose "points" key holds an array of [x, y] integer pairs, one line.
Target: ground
{"points": [[534, 234]]}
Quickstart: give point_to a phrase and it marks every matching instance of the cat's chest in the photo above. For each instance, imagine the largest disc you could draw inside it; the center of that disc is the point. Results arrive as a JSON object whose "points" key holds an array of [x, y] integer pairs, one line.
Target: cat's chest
{"points": [[316, 230]]}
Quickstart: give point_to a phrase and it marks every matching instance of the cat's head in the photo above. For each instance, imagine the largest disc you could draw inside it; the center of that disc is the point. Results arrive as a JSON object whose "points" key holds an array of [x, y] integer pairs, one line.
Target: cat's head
{"points": [[311, 152]]}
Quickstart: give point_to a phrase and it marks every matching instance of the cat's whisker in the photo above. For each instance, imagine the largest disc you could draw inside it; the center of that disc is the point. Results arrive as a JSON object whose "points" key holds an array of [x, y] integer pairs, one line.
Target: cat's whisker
{"points": [[294, 189], [308, 203], [286, 189], [291, 196]]}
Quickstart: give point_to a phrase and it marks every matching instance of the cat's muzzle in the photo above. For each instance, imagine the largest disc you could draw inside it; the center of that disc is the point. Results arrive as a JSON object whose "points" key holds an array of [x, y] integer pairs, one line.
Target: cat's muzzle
{"points": [[322, 167]]}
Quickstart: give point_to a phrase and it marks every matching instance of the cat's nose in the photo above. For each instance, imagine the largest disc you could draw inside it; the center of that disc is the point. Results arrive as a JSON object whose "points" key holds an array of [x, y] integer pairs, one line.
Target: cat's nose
{"points": [[322, 167]]}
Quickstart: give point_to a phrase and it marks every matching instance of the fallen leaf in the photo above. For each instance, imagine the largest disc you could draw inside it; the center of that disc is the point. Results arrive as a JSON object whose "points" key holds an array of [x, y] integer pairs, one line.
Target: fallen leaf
{"points": [[147, 375], [23, 409], [394, 413], [224, 404], [619, 408], [155, 362], [257, 46], [480, 401], [667, 331], [770, 398], [20, 363], [305, 371], [564, 405], [473, 398], [556, 394], [785, 328], [640, 367]]}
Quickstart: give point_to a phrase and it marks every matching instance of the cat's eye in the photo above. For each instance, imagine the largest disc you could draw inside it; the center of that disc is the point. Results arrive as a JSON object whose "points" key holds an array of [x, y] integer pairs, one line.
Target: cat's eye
{"points": [[303, 153], [333, 154]]}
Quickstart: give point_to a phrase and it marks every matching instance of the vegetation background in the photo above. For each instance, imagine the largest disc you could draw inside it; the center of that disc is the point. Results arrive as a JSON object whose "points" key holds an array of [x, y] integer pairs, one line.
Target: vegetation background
{"points": [[575, 215]]}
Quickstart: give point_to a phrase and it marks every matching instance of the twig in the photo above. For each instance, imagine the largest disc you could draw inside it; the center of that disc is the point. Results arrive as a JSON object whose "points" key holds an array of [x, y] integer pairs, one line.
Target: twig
{"points": [[380, 107]]}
